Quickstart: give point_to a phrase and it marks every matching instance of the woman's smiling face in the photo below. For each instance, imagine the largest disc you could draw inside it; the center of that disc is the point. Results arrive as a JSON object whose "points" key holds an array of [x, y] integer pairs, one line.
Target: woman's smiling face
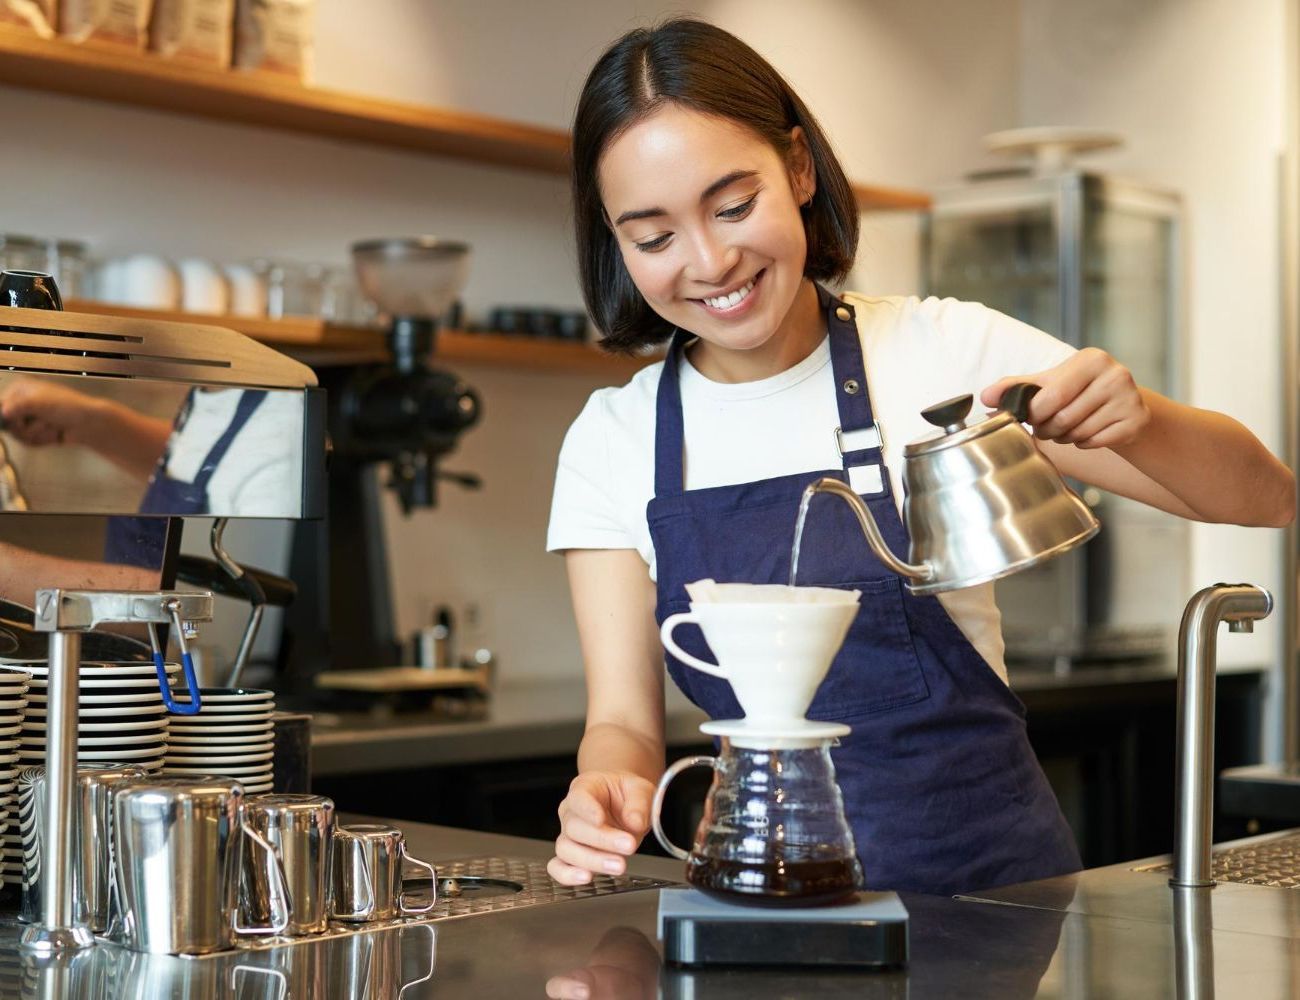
{"points": [[706, 214]]}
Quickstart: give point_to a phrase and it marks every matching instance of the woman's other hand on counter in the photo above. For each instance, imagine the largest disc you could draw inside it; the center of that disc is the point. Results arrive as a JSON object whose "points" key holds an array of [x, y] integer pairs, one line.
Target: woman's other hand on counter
{"points": [[602, 820]]}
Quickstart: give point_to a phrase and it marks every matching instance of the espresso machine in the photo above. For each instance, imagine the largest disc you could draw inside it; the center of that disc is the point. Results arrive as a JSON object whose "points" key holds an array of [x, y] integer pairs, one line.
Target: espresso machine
{"points": [[151, 375]]}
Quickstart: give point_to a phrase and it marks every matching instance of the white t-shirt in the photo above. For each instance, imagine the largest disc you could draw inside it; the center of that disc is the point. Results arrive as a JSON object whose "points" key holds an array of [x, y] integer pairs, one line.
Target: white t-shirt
{"points": [[917, 352]]}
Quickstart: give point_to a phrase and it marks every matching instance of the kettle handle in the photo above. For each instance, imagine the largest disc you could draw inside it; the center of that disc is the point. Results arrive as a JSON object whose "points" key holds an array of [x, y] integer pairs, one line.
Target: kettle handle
{"points": [[656, 807], [1016, 400]]}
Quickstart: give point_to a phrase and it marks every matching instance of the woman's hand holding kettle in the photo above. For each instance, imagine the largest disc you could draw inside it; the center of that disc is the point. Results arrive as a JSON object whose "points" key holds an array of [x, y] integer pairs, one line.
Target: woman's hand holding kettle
{"points": [[602, 820], [1090, 401]]}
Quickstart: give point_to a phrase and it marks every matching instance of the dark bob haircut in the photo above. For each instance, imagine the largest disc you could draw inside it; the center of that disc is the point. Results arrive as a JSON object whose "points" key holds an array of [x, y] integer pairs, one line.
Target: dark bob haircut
{"points": [[698, 66]]}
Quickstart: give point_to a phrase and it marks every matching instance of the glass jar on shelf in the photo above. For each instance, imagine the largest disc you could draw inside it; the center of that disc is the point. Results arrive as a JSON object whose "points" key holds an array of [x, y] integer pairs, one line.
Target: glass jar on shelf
{"points": [[66, 260], [289, 292], [21, 253], [339, 293]]}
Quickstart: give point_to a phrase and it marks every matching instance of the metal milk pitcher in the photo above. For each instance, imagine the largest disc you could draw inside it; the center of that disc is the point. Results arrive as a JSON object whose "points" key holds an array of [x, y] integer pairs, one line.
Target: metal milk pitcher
{"points": [[366, 874], [92, 825], [177, 852], [981, 502], [301, 829]]}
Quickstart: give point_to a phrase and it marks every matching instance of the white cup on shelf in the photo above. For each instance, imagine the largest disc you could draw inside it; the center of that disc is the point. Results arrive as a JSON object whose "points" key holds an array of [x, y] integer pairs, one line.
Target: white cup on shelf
{"points": [[247, 289], [204, 288], [142, 281]]}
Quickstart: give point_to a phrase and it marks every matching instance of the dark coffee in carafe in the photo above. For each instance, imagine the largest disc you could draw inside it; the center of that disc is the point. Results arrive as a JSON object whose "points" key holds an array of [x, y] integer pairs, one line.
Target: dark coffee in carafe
{"points": [[775, 883]]}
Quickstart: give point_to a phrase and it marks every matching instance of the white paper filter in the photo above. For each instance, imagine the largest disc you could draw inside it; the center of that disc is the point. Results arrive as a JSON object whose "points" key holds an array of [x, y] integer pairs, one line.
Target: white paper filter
{"points": [[712, 592]]}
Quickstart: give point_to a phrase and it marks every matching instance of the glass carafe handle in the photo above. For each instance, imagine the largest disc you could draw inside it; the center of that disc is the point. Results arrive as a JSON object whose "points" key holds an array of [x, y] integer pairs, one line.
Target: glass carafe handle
{"points": [[673, 770]]}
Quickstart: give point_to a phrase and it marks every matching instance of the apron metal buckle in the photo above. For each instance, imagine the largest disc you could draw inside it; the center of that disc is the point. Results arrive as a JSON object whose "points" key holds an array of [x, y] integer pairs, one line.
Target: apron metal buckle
{"points": [[863, 439]]}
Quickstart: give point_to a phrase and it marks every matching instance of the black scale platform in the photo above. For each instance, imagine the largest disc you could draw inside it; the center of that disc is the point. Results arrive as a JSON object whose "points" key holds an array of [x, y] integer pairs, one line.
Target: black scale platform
{"points": [[869, 931]]}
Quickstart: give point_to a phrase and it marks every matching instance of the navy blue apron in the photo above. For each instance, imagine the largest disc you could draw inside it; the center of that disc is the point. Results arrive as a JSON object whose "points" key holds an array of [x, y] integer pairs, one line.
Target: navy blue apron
{"points": [[138, 541], [941, 787]]}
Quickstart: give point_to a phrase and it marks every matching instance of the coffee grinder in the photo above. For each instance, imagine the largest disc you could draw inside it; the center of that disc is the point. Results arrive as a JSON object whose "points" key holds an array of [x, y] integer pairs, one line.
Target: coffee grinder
{"points": [[400, 415]]}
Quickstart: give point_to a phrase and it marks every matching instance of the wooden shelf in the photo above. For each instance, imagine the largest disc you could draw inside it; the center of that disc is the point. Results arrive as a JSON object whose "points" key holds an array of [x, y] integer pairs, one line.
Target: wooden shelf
{"points": [[318, 343], [146, 81], [872, 198]]}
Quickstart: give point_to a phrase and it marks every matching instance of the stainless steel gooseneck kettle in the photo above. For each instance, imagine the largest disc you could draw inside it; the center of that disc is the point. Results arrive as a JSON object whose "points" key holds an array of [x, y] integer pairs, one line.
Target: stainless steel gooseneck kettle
{"points": [[980, 501]]}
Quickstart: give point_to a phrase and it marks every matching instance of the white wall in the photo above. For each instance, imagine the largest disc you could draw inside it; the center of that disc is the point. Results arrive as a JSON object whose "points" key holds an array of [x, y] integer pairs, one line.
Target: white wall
{"points": [[1196, 86], [882, 77]]}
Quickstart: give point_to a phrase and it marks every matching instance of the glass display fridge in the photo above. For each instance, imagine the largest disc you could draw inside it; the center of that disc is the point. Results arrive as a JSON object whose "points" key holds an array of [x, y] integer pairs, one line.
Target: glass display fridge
{"points": [[1093, 260]]}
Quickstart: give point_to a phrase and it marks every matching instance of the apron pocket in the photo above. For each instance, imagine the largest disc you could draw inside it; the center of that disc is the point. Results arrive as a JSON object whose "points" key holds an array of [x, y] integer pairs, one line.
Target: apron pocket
{"points": [[877, 668]]}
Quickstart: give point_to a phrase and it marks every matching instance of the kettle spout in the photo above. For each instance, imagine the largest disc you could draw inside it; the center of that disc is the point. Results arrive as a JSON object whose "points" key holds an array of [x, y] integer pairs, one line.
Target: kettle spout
{"points": [[915, 573]]}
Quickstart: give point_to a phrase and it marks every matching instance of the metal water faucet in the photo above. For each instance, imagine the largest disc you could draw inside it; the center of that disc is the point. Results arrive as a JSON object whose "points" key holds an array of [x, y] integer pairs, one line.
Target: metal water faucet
{"points": [[66, 614], [1240, 605]]}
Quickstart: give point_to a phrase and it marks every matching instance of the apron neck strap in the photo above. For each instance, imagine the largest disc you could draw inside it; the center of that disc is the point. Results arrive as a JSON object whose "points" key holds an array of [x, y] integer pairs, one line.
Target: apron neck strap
{"points": [[670, 430], [858, 439]]}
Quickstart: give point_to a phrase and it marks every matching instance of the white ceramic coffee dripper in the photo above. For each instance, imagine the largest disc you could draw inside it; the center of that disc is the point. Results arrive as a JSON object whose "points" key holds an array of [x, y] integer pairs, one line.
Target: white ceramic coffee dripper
{"points": [[774, 644]]}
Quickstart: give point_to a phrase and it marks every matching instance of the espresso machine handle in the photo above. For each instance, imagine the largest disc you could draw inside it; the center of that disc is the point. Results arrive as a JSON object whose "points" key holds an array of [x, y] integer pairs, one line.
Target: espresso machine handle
{"points": [[277, 591]]}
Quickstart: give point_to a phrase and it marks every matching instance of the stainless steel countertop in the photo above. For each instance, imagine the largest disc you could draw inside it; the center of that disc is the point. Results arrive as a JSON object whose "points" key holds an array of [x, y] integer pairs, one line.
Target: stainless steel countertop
{"points": [[546, 718], [1108, 933]]}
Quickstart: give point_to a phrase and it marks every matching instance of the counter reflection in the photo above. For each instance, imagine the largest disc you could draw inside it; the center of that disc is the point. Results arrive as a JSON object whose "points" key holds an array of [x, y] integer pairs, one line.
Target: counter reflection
{"points": [[383, 964], [625, 965]]}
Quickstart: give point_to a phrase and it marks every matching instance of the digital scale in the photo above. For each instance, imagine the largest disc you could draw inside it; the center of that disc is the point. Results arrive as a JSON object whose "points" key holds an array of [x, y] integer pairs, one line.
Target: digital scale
{"points": [[869, 931]]}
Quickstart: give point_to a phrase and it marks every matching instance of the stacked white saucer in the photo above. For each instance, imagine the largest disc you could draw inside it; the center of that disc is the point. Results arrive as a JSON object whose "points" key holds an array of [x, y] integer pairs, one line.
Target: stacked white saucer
{"points": [[232, 736], [121, 717], [13, 702]]}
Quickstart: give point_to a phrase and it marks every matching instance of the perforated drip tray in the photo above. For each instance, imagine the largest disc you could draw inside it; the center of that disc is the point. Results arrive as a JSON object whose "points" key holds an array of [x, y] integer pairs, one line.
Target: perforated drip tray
{"points": [[1274, 862], [466, 888]]}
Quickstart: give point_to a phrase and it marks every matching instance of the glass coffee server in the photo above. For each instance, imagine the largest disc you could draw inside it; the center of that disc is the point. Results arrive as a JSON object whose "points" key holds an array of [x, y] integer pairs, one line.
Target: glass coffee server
{"points": [[1093, 260]]}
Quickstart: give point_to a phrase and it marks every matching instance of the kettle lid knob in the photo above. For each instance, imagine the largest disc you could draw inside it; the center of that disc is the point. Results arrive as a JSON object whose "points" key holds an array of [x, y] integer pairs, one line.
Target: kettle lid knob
{"points": [[950, 414]]}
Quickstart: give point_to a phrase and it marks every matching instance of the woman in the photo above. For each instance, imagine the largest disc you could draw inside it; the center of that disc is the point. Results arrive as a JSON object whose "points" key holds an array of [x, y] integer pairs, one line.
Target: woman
{"points": [[708, 204]]}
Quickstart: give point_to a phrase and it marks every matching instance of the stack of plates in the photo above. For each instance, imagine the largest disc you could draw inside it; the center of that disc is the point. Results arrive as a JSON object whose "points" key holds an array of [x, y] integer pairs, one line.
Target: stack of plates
{"points": [[121, 717], [27, 840], [231, 736], [13, 702]]}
